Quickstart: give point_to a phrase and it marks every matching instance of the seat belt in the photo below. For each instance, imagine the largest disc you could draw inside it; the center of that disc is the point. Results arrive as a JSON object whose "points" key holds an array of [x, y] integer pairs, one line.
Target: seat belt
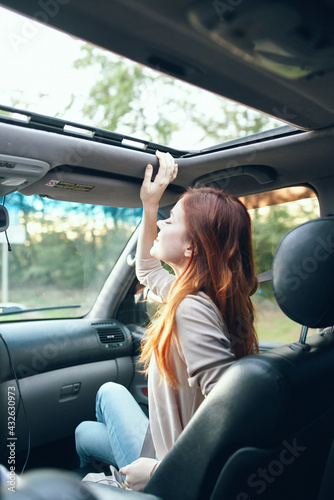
{"points": [[265, 276], [327, 484], [148, 450]]}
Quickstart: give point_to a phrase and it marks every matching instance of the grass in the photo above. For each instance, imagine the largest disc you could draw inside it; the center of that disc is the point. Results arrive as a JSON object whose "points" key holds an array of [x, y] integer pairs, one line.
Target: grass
{"points": [[277, 328], [46, 297], [271, 323], [274, 326]]}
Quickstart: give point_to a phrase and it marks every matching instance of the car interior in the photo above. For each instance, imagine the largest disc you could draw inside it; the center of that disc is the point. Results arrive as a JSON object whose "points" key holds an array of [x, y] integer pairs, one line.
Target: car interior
{"points": [[266, 430]]}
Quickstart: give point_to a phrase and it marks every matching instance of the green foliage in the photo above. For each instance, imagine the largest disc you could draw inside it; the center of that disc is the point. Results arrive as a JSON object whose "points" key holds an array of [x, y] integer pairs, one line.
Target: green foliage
{"points": [[231, 121], [69, 251], [120, 98], [131, 99], [271, 224], [267, 230]]}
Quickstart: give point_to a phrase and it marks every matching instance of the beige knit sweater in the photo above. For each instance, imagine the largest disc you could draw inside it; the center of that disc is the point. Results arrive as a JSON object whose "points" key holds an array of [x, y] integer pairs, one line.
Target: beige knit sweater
{"points": [[199, 358]]}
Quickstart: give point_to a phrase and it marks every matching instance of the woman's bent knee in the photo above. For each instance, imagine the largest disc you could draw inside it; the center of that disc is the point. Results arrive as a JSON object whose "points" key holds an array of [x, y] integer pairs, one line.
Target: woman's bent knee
{"points": [[111, 388], [81, 432], [110, 392]]}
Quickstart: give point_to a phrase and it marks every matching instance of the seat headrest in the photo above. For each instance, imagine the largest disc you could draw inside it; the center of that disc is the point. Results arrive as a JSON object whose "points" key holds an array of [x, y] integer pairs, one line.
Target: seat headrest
{"points": [[303, 273]]}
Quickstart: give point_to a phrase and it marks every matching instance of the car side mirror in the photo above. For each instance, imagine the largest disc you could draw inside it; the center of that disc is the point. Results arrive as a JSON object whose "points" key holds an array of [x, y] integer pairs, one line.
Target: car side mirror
{"points": [[4, 218]]}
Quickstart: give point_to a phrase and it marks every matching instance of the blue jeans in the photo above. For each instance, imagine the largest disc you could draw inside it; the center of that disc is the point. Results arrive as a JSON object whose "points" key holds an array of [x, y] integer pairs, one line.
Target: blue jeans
{"points": [[118, 435]]}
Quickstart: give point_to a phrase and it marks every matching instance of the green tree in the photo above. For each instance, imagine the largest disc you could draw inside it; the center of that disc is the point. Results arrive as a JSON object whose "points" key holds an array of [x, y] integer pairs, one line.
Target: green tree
{"points": [[120, 98], [234, 122], [270, 224], [132, 99]]}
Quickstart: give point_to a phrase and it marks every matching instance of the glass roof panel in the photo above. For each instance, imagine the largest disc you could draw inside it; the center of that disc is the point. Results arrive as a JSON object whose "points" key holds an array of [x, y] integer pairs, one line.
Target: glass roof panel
{"points": [[51, 73]]}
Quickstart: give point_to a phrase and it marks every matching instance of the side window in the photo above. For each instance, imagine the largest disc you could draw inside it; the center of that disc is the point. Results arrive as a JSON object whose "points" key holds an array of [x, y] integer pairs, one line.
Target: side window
{"points": [[62, 253], [141, 305], [273, 215]]}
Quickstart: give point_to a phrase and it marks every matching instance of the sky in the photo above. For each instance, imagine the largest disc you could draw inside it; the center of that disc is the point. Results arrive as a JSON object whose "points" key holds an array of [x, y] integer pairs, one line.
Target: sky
{"points": [[35, 60]]}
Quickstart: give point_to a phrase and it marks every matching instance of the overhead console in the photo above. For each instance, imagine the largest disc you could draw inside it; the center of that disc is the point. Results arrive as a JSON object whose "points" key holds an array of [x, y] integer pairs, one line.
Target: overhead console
{"points": [[17, 173]]}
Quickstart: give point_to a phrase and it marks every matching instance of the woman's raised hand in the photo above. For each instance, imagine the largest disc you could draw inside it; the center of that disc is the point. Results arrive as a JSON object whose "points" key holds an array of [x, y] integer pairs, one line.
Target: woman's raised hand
{"points": [[151, 192]]}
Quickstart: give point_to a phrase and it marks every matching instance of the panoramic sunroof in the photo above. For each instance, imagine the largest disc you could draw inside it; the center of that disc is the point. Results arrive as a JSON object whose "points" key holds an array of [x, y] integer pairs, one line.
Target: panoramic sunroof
{"points": [[54, 74]]}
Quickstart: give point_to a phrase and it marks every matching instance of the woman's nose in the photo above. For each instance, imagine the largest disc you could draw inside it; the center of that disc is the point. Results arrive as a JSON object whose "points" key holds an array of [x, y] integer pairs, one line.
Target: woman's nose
{"points": [[160, 223]]}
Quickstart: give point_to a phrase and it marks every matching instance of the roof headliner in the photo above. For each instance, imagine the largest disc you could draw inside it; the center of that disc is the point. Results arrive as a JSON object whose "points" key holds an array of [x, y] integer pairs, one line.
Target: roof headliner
{"points": [[138, 31]]}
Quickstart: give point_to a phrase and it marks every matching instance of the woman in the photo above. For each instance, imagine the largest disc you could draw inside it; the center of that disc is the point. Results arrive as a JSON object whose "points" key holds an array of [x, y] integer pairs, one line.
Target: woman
{"points": [[203, 325]]}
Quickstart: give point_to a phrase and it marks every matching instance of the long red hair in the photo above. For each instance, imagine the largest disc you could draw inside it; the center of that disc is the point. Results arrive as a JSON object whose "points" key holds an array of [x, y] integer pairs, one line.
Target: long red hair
{"points": [[222, 266]]}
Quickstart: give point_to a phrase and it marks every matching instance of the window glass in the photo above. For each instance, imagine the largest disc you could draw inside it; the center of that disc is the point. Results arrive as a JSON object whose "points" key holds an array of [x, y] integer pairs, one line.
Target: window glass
{"points": [[61, 255], [101, 89], [273, 215]]}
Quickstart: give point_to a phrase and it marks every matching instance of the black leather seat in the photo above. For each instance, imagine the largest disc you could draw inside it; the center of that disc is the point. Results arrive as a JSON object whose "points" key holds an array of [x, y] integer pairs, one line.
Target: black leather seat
{"points": [[266, 429]]}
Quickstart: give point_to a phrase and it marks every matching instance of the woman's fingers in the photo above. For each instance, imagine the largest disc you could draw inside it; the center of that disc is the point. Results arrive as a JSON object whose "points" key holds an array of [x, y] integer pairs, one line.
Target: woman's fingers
{"points": [[166, 172], [163, 172], [148, 173], [175, 172], [151, 192]]}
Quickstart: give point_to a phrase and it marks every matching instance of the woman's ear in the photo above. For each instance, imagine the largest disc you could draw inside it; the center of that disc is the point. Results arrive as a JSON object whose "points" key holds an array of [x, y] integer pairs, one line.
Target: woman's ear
{"points": [[189, 251]]}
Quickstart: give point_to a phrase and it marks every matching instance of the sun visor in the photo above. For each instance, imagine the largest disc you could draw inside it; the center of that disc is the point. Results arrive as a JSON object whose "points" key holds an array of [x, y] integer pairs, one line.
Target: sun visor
{"points": [[78, 185]]}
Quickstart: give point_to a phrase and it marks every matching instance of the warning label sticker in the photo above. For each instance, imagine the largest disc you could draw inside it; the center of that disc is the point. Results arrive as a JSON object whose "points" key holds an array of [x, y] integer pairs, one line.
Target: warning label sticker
{"points": [[69, 185]]}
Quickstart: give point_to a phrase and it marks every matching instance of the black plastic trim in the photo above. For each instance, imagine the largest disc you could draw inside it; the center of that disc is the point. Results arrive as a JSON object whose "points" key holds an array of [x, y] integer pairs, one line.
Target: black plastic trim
{"points": [[56, 125]]}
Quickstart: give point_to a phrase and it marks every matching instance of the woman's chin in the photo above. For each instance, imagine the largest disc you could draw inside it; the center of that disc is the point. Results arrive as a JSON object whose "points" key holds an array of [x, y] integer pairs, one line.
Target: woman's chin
{"points": [[156, 251]]}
